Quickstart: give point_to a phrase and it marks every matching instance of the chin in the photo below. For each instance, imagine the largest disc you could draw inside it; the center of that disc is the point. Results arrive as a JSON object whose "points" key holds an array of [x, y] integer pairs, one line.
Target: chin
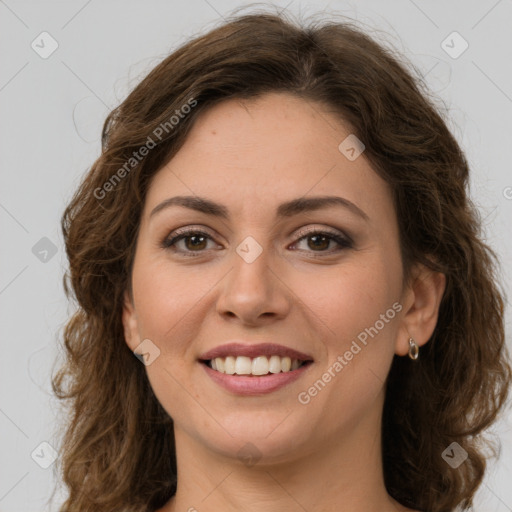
{"points": [[270, 437]]}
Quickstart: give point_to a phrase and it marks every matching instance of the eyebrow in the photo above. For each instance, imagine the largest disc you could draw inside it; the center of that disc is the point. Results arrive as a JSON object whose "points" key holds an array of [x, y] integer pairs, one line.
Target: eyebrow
{"points": [[287, 209]]}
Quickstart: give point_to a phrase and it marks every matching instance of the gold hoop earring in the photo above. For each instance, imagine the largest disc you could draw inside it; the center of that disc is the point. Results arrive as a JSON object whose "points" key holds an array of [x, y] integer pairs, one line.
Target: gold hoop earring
{"points": [[414, 350]]}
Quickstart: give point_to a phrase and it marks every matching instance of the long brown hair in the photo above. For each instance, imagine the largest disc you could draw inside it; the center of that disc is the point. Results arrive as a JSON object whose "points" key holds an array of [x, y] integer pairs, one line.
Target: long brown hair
{"points": [[118, 448]]}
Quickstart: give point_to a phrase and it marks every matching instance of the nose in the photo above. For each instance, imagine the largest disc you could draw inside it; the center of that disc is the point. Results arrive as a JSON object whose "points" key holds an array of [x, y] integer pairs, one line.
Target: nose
{"points": [[253, 292]]}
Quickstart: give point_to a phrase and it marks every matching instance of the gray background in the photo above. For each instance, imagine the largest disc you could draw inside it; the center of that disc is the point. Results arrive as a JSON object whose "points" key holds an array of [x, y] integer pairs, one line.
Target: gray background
{"points": [[52, 110]]}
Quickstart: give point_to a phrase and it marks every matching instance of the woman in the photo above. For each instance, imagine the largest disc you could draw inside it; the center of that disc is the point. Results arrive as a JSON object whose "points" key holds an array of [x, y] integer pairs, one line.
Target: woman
{"points": [[278, 227]]}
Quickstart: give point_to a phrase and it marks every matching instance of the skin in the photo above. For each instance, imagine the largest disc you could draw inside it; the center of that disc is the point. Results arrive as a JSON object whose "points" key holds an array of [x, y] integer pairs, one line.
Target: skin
{"points": [[324, 455]]}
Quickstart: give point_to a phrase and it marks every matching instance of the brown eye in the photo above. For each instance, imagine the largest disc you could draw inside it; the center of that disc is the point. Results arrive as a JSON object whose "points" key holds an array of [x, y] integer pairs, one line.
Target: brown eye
{"points": [[193, 241], [319, 241]]}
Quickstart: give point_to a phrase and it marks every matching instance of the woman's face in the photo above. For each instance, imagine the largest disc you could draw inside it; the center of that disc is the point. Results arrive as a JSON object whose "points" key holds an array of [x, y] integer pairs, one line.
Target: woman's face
{"points": [[263, 265]]}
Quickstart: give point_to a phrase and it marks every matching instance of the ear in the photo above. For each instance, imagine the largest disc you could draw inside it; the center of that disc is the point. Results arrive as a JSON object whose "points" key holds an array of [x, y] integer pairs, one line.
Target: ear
{"points": [[130, 324], [421, 301]]}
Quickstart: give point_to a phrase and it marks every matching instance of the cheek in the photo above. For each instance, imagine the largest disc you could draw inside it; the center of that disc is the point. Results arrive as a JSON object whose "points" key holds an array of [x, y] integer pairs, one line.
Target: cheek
{"points": [[349, 299], [354, 309], [166, 299], [167, 304], [359, 344]]}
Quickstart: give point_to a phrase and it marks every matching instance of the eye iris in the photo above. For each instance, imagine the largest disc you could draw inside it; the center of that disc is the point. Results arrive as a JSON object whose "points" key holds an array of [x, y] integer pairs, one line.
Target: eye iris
{"points": [[323, 240], [195, 245]]}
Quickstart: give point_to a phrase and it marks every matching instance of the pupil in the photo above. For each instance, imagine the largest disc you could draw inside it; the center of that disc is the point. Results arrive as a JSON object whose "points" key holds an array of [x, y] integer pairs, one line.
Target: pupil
{"points": [[323, 239], [196, 237]]}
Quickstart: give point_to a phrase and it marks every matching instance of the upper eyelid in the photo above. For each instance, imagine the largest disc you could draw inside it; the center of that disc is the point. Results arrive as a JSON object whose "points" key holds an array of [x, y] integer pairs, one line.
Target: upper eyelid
{"points": [[298, 233], [327, 230]]}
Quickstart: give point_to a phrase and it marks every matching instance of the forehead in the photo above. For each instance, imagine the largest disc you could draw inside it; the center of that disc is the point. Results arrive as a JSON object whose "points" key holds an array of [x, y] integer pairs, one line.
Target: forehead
{"points": [[260, 152]]}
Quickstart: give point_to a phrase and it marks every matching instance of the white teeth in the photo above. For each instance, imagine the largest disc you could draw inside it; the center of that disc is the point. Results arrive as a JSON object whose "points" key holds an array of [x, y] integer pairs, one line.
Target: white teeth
{"points": [[274, 364], [243, 365], [229, 365], [219, 364], [260, 365]]}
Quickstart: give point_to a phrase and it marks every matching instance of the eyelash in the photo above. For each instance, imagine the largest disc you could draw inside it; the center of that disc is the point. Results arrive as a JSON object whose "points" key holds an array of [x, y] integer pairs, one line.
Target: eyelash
{"points": [[344, 242]]}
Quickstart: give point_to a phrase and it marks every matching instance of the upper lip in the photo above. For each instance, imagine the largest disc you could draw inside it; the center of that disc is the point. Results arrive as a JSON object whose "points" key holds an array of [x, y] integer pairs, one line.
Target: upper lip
{"points": [[250, 350]]}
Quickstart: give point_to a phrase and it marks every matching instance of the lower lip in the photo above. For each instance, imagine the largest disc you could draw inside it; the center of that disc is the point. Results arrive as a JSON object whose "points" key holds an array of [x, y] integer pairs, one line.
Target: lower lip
{"points": [[257, 385]]}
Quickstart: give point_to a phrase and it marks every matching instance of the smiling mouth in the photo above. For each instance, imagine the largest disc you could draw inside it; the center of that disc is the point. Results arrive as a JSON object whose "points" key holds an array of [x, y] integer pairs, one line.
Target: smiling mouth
{"points": [[255, 366]]}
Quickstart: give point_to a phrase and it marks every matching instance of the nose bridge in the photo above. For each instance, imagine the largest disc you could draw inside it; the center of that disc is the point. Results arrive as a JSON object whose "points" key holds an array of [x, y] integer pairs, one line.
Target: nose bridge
{"points": [[251, 275], [252, 288]]}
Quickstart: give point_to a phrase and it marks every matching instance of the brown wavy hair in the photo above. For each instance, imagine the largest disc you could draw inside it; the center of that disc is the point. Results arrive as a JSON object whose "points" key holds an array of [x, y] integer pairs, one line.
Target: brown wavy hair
{"points": [[118, 443]]}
